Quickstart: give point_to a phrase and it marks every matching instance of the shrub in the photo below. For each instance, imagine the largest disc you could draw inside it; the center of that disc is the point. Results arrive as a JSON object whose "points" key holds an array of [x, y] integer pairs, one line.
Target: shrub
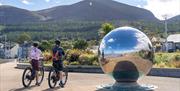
{"points": [[73, 55], [85, 59], [74, 63], [177, 57], [167, 60], [47, 55], [80, 44], [76, 57], [88, 59], [45, 45]]}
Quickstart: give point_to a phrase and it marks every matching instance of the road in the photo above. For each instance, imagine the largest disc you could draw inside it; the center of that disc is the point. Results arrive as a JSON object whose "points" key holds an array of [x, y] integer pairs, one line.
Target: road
{"points": [[10, 80]]}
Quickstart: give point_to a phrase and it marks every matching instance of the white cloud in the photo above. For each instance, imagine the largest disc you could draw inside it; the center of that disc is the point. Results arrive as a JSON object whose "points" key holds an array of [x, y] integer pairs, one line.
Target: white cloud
{"points": [[0, 3], [90, 3], [57, 2], [139, 6], [47, 0], [27, 2], [142, 41], [111, 40], [163, 7]]}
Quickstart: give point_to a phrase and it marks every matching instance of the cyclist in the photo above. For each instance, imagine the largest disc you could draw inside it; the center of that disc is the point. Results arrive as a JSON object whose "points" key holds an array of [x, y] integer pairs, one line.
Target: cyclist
{"points": [[58, 53], [35, 55]]}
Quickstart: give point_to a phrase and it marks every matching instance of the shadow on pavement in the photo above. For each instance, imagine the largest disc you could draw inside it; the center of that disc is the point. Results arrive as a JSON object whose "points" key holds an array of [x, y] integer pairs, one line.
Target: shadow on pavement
{"points": [[125, 89], [105, 89], [23, 88], [52, 89]]}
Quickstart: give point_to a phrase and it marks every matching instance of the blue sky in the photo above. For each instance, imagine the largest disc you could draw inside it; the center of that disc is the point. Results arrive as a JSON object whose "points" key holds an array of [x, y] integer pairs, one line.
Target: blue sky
{"points": [[157, 7]]}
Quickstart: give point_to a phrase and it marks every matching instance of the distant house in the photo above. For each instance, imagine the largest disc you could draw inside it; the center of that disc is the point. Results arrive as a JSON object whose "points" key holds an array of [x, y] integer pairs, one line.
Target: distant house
{"points": [[173, 42], [8, 51], [158, 43], [12, 51], [23, 51]]}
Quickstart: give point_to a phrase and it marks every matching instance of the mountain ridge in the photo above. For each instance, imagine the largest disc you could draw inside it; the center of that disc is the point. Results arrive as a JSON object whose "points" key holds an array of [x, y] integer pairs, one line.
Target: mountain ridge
{"points": [[13, 15], [86, 10], [113, 10]]}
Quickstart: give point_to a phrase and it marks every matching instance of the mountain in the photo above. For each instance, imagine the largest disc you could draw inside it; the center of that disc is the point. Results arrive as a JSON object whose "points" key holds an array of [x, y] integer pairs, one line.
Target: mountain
{"points": [[97, 10], [176, 18], [86, 10], [13, 15]]}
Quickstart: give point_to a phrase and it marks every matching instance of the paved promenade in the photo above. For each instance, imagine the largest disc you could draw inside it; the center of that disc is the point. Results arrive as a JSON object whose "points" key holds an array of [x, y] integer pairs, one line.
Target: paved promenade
{"points": [[10, 80]]}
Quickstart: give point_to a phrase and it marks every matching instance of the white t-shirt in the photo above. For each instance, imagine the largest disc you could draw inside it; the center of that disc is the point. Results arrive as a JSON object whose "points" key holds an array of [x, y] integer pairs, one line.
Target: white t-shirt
{"points": [[35, 53]]}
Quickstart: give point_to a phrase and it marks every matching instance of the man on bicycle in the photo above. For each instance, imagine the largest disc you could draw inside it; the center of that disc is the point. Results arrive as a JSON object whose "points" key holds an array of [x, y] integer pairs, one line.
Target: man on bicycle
{"points": [[35, 55], [58, 52]]}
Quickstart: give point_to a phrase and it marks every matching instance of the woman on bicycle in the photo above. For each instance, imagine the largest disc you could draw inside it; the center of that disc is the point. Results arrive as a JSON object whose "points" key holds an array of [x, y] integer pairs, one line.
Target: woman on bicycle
{"points": [[35, 55], [58, 52]]}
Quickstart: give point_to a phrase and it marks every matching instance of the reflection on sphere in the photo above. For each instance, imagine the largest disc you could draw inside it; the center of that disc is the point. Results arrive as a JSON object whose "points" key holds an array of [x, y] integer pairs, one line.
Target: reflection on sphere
{"points": [[126, 54]]}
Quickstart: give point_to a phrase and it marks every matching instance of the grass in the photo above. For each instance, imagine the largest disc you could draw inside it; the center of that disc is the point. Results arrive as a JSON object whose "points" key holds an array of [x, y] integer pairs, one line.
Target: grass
{"points": [[167, 60]]}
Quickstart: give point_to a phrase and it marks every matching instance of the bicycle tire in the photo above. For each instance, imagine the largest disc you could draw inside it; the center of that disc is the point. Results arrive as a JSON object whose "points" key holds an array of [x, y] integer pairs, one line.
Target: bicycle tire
{"points": [[42, 74], [24, 77], [50, 78], [65, 70]]}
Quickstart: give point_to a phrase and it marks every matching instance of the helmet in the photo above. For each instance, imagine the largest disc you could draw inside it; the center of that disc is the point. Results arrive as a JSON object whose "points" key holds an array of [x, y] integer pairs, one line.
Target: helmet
{"points": [[57, 42], [35, 44]]}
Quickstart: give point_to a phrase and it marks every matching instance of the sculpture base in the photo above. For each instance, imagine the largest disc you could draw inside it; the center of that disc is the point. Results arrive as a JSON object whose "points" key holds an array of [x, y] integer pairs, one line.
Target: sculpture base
{"points": [[132, 86]]}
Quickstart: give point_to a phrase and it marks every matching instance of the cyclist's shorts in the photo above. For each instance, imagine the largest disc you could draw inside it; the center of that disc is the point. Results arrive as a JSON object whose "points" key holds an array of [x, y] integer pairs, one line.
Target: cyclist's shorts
{"points": [[35, 64], [58, 65]]}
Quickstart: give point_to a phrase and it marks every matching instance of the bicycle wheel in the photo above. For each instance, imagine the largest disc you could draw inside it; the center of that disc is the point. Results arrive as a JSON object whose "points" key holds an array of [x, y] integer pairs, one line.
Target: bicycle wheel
{"points": [[41, 75], [52, 78], [27, 77], [65, 75]]}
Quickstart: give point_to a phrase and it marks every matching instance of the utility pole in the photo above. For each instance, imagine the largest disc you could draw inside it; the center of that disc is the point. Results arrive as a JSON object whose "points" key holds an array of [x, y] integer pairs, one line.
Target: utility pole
{"points": [[166, 30]]}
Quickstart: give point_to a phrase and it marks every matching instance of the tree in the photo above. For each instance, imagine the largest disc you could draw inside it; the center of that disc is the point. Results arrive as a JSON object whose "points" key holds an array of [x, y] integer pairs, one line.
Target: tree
{"points": [[2, 28], [23, 37], [105, 28], [45, 45], [80, 44]]}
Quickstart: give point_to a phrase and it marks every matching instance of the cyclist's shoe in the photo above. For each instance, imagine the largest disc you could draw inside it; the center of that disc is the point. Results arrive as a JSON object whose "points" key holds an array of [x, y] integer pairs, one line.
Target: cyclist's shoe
{"points": [[54, 79], [61, 84], [37, 84]]}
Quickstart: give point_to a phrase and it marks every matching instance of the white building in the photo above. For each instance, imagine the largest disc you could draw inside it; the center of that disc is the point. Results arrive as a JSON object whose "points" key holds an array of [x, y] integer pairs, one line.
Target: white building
{"points": [[173, 42], [12, 52]]}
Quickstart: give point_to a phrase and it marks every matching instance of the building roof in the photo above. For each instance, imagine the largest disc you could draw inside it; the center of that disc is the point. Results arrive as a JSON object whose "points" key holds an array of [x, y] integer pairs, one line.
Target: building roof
{"points": [[174, 38]]}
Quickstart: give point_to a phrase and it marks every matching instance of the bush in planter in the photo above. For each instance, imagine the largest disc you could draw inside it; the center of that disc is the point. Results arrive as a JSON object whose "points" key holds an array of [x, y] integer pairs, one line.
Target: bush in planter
{"points": [[74, 63], [85, 59], [73, 55], [177, 57], [88, 59], [162, 57], [80, 44], [164, 60]]}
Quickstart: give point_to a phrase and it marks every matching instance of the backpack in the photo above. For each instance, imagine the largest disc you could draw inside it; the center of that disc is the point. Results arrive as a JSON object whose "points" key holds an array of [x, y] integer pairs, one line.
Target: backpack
{"points": [[56, 56]]}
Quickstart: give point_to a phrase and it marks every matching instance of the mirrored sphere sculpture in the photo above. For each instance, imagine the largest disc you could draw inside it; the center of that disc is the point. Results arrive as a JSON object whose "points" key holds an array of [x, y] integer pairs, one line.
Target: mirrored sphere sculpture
{"points": [[126, 54]]}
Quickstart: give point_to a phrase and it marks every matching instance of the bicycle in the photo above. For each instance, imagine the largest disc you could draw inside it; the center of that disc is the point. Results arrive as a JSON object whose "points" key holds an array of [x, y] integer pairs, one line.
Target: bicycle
{"points": [[53, 77], [28, 77]]}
